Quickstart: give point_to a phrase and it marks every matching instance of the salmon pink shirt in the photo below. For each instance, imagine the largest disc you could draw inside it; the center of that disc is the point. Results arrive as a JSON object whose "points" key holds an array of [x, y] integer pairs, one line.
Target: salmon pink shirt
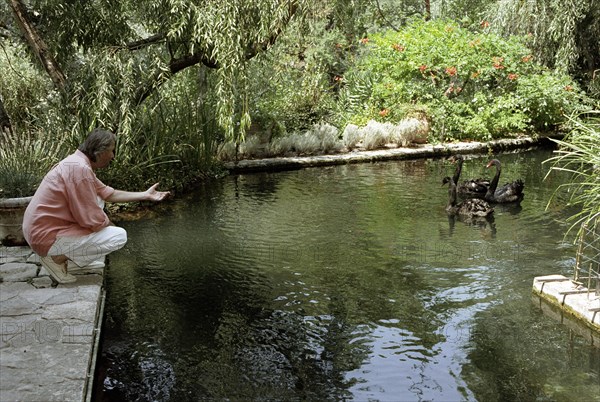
{"points": [[65, 204]]}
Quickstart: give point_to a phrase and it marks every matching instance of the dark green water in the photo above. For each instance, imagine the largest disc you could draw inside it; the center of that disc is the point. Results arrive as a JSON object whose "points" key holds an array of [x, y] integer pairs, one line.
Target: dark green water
{"points": [[344, 283]]}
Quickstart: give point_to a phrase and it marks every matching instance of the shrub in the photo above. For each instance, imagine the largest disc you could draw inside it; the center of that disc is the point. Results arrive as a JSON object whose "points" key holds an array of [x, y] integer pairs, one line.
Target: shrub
{"points": [[294, 83], [328, 137], [473, 85], [351, 136], [376, 134], [318, 139]]}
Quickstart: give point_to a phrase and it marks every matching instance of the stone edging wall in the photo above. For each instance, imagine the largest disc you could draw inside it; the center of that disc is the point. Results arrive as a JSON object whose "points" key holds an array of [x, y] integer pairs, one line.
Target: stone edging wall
{"points": [[421, 151]]}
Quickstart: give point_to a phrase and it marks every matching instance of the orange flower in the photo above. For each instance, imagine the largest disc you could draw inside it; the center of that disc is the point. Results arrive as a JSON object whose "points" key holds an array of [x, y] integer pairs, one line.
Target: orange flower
{"points": [[364, 41], [422, 68], [498, 62], [338, 78], [451, 71], [568, 88], [475, 74], [527, 58], [513, 77], [384, 112], [484, 24], [398, 47], [475, 42]]}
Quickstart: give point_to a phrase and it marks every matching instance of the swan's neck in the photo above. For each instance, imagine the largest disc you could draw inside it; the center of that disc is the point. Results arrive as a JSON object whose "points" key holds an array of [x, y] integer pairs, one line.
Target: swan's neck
{"points": [[494, 182], [451, 194], [457, 171]]}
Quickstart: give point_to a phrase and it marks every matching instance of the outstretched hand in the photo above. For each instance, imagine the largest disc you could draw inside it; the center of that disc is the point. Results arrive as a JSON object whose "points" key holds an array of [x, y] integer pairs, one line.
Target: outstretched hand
{"points": [[154, 195]]}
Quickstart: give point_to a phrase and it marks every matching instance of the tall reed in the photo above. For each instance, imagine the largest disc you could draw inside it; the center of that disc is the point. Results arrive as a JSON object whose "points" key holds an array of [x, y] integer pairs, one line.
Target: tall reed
{"points": [[172, 139], [24, 161], [579, 155]]}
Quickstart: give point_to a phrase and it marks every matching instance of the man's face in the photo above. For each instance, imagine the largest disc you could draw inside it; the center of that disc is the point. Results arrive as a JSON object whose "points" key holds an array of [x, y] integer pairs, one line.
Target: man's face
{"points": [[103, 159]]}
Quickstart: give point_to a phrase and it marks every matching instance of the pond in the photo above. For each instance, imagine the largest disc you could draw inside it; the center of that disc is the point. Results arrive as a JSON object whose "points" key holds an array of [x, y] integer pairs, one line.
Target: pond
{"points": [[344, 283]]}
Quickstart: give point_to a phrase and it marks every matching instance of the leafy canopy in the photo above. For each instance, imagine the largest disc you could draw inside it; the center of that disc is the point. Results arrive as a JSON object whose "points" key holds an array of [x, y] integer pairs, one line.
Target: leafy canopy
{"points": [[117, 53]]}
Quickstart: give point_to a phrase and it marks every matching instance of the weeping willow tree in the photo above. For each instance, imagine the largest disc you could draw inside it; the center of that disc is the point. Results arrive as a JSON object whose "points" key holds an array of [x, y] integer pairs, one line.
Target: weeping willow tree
{"points": [[564, 34], [109, 56], [145, 70]]}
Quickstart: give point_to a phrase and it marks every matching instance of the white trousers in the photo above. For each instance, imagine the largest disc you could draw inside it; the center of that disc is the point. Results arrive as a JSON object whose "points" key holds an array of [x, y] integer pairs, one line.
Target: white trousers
{"points": [[86, 249]]}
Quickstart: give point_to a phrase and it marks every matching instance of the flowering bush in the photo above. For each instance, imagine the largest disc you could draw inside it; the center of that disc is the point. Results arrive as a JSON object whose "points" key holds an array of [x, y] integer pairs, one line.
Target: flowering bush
{"points": [[473, 85]]}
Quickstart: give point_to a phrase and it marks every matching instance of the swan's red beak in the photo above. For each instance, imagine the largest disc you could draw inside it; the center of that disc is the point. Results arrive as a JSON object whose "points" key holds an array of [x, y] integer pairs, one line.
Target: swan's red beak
{"points": [[488, 165]]}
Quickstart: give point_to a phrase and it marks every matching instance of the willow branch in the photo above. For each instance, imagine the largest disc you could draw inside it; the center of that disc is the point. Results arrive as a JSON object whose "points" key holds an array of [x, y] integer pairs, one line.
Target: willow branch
{"points": [[179, 64], [175, 66], [138, 44]]}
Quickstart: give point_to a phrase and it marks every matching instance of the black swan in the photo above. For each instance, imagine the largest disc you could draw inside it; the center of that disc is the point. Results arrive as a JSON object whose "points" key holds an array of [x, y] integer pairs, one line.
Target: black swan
{"points": [[510, 192], [468, 188], [472, 207]]}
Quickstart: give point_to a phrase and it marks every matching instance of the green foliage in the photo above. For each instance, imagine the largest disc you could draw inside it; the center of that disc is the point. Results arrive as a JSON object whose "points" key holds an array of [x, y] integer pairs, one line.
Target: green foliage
{"points": [[565, 32], [293, 86], [171, 140], [24, 161], [547, 97], [70, 27], [579, 155], [28, 96], [226, 34], [126, 64], [472, 84], [466, 11], [296, 84], [39, 136]]}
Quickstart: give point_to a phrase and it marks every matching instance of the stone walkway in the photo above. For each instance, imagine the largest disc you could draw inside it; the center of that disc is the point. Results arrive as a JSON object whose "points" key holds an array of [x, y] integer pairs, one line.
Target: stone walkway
{"points": [[48, 333]]}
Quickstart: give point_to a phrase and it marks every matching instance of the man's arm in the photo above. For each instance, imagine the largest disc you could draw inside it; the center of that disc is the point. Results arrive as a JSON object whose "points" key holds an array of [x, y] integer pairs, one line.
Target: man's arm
{"points": [[128, 196]]}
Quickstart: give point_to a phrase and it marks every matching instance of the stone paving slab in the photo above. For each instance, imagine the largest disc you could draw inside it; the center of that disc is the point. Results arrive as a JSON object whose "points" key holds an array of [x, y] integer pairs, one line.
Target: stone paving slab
{"points": [[574, 299], [573, 323], [48, 331]]}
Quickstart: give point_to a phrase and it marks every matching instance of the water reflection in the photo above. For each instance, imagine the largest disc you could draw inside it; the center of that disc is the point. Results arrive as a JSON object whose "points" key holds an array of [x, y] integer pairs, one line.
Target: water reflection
{"points": [[341, 283]]}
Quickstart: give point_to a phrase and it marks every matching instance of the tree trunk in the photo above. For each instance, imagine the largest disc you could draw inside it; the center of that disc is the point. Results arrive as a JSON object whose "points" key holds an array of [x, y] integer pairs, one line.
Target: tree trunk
{"points": [[36, 43], [427, 10]]}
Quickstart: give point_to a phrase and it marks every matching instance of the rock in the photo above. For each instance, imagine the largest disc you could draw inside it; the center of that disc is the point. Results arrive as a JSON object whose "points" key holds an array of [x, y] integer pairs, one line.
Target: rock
{"points": [[42, 283], [12, 254], [17, 271]]}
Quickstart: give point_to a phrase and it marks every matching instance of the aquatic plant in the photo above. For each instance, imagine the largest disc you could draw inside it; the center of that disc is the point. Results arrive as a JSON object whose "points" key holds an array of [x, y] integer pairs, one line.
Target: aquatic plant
{"points": [[579, 155]]}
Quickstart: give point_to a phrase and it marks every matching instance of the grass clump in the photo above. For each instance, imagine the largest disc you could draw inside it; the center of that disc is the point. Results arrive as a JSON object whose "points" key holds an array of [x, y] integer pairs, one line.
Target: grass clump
{"points": [[24, 161], [579, 156]]}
